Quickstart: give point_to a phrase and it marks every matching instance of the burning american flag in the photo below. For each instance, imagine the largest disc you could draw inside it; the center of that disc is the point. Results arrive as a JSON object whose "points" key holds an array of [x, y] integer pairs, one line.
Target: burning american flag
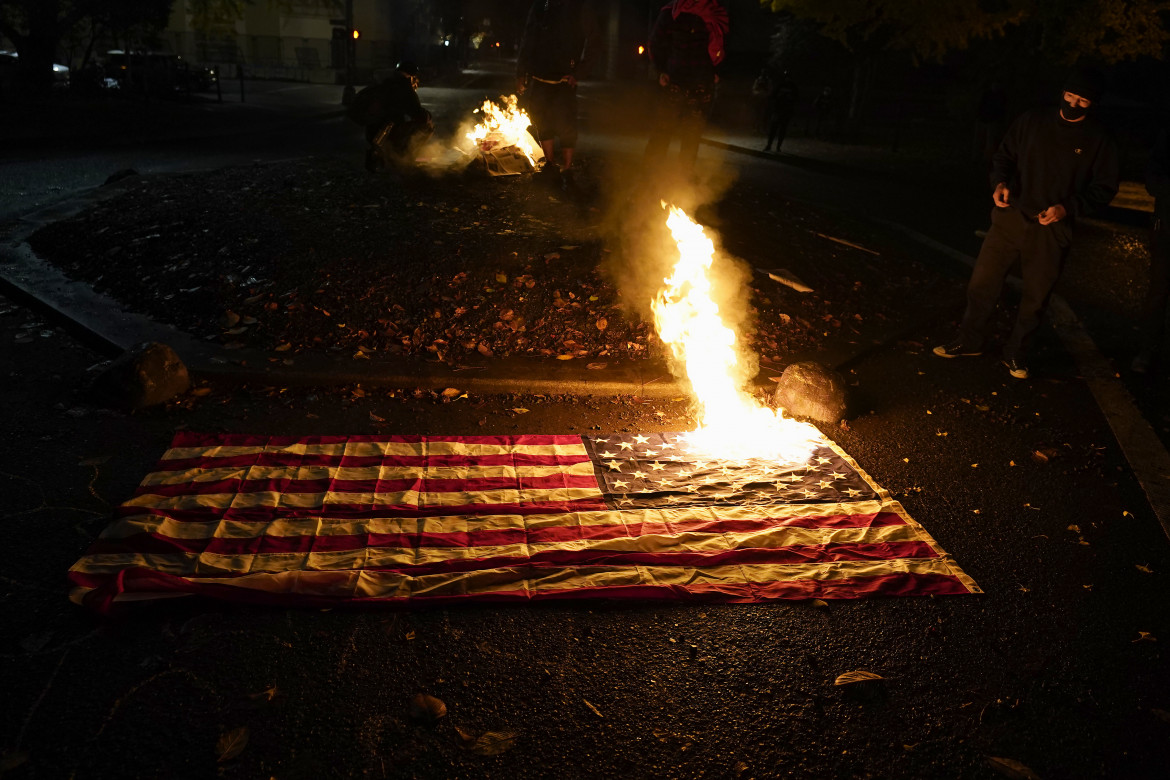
{"points": [[393, 520]]}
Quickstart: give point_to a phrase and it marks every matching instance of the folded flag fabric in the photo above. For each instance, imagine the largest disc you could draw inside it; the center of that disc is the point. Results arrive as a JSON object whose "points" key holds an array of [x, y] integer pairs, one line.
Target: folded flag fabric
{"points": [[325, 520]]}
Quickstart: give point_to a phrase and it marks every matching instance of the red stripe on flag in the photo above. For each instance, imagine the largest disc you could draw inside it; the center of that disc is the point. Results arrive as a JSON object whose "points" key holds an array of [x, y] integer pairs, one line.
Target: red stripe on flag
{"points": [[420, 484], [352, 511], [293, 460], [193, 439]]}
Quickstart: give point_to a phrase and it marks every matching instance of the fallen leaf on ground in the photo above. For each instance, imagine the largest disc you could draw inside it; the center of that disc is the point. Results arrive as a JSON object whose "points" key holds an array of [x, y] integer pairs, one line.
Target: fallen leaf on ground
{"points": [[268, 694], [451, 392], [596, 366], [428, 708], [493, 743], [858, 676], [231, 744], [1009, 767], [13, 759], [520, 410]]}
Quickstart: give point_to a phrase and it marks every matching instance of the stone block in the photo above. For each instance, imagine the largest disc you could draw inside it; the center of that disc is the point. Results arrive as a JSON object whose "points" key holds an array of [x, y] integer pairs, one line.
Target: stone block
{"points": [[811, 390], [147, 375]]}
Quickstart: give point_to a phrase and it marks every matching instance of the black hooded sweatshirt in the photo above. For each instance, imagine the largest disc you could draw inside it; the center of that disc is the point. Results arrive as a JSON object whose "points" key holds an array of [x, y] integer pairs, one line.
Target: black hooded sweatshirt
{"points": [[1045, 160]]}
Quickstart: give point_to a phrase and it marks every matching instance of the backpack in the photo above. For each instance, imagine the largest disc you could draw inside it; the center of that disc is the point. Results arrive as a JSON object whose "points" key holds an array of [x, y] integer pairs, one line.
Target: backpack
{"points": [[367, 106]]}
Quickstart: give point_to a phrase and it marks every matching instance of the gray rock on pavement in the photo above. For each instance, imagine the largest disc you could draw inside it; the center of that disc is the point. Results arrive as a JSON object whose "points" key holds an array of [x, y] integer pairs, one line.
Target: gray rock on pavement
{"points": [[811, 390], [117, 176], [146, 375]]}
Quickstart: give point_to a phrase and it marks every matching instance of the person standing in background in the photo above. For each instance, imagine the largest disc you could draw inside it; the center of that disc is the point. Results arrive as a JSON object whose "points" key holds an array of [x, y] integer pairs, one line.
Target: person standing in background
{"points": [[781, 106], [686, 46], [552, 50]]}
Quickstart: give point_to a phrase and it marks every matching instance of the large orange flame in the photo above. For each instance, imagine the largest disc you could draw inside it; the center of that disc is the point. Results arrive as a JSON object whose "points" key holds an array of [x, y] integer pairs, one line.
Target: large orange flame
{"points": [[733, 424], [505, 125]]}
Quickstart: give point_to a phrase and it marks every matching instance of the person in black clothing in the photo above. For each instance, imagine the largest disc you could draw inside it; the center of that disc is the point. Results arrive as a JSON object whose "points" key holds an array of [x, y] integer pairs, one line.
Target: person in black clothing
{"points": [[781, 105], [396, 123], [1053, 166], [1154, 309], [686, 45], [552, 50]]}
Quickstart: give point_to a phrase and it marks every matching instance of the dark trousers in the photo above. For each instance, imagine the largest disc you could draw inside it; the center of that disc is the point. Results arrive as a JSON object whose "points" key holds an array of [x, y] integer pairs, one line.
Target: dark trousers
{"points": [[1158, 296], [1041, 250], [778, 121], [682, 112], [553, 109]]}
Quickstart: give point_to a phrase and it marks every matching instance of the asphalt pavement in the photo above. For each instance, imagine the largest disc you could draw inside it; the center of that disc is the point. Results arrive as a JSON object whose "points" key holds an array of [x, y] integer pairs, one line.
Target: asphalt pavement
{"points": [[1056, 670]]}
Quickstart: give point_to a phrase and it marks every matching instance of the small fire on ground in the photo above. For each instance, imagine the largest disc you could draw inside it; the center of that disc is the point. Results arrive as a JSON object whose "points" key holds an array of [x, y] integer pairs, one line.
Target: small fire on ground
{"points": [[733, 424], [504, 125]]}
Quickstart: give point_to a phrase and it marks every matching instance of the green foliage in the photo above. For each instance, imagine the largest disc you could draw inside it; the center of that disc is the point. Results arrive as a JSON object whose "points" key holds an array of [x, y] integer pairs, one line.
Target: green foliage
{"points": [[920, 27], [1108, 30], [1068, 30]]}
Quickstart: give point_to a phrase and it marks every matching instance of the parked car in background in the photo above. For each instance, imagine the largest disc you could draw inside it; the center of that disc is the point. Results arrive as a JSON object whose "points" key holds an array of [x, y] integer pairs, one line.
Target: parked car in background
{"points": [[8, 61], [157, 73]]}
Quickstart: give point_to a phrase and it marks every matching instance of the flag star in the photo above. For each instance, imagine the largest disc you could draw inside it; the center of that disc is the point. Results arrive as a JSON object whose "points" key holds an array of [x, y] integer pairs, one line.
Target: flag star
{"points": [[825, 483], [649, 453], [614, 465], [626, 501], [673, 499], [639, 475], [766, 470], [823, 461], [837, 475], [625, 445], [852, 492], [676, 458], [641, 439], [667, 445], [657, 466], [692, 488], [601, 441], [808, 493], [619, 484], [792, 478], [609, 455], [683, 474]]}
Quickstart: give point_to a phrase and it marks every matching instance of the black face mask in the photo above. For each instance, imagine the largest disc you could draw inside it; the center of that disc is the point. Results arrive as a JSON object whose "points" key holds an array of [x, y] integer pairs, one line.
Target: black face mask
{"points": [[1072, 113]]}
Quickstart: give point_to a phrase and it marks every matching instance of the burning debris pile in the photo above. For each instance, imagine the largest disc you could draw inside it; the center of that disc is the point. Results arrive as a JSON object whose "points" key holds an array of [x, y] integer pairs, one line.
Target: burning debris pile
{"points": [[501, 143]]}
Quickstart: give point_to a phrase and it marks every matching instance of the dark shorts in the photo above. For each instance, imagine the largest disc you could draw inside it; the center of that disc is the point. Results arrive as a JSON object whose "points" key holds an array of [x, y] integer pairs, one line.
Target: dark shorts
{"points": [[553, 110]]}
